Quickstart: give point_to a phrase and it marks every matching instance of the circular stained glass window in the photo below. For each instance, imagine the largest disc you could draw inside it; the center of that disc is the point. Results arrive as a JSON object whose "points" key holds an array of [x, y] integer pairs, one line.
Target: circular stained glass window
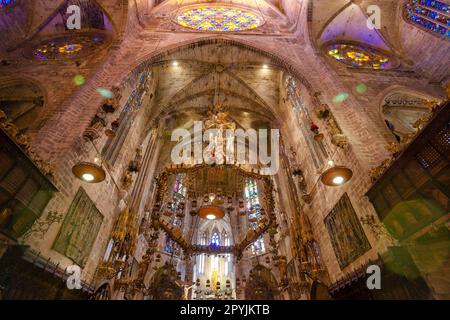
{"points": [[359, 56], [219, 18], [69, 47]]}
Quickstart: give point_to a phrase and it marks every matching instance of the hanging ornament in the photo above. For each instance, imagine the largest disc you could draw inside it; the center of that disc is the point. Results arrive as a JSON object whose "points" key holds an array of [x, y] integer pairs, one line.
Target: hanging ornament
{"points": [[253, 220], [167, 213], [180, 214], [110, 133], [317, 135], [115, 125]]}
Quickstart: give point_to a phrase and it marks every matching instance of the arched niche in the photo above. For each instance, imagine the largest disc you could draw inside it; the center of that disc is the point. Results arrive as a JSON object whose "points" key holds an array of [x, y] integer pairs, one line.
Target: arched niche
{"points": [[62, 37], [22, 101], [402, 109], [319, 291], [262, 285], [103, 292], [165, 284]]}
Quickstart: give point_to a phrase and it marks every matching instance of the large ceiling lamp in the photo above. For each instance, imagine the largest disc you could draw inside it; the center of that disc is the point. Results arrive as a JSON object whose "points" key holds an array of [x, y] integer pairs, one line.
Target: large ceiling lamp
{"points": [[211, 213], [336, 175], [89, 172]]}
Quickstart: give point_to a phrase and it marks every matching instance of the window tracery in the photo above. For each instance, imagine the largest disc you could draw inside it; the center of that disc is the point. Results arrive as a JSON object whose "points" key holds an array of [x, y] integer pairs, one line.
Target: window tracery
{"points": [[430, 15]]}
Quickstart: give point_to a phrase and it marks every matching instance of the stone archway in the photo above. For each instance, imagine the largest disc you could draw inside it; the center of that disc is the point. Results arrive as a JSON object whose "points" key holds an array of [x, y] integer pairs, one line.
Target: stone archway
{"points": [[22, 102], [165, 285], [262, 285], [319, 291], [103, 292]]}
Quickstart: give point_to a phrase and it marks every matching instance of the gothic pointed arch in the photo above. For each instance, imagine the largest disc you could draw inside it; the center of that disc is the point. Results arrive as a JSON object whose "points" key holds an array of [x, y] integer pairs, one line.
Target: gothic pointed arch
{"points": [[23, 102], [60, 38], [262, 284]]}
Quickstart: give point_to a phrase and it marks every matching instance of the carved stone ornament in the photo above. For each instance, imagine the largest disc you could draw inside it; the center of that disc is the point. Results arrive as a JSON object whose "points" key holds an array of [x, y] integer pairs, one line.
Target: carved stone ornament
{"points": [[337, 136], [97, 124], [24, 142]]}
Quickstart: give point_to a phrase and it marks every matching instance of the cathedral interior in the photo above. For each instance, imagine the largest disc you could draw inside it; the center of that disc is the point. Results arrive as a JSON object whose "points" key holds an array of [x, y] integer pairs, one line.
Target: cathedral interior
{"points": [[99, 100]]}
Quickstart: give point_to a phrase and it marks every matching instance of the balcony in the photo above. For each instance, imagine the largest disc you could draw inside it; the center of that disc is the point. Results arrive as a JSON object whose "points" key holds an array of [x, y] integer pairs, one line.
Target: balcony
{"points": [[413, 194], [24, 189]]}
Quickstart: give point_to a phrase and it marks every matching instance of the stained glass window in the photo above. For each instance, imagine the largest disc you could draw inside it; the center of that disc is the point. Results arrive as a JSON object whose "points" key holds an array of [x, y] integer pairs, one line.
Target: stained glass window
{"points": [[169, 244], [359, 56], [218, 18], [72, 47], [113, 145], [254, 214], [201, 263], [317, 148], [202, 257], [215, 239], [179, 193], [430, 15], [179, 189], [316, 250], [5, 3], [226, 239]]}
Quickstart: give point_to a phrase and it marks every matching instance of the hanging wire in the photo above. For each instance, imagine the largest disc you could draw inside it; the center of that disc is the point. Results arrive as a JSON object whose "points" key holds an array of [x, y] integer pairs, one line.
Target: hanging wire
{"points": [[102, 161]]}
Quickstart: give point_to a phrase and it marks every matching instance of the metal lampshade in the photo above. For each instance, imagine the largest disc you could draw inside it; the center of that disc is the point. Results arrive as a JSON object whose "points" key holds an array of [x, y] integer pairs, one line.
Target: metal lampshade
{"points": [[211, 213], [89, 172], [336, 176]]}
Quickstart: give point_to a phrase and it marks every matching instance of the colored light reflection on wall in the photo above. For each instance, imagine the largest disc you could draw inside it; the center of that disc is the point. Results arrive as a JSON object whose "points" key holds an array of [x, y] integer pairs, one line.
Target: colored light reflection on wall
{"points": [[341, 97], [78, 80], [361, 88], [105, 93]]}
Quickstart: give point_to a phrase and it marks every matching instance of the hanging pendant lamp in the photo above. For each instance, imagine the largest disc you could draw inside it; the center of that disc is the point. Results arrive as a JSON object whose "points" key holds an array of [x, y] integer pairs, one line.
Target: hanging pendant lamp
{"points": [[89, 172], [336, 176]]}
